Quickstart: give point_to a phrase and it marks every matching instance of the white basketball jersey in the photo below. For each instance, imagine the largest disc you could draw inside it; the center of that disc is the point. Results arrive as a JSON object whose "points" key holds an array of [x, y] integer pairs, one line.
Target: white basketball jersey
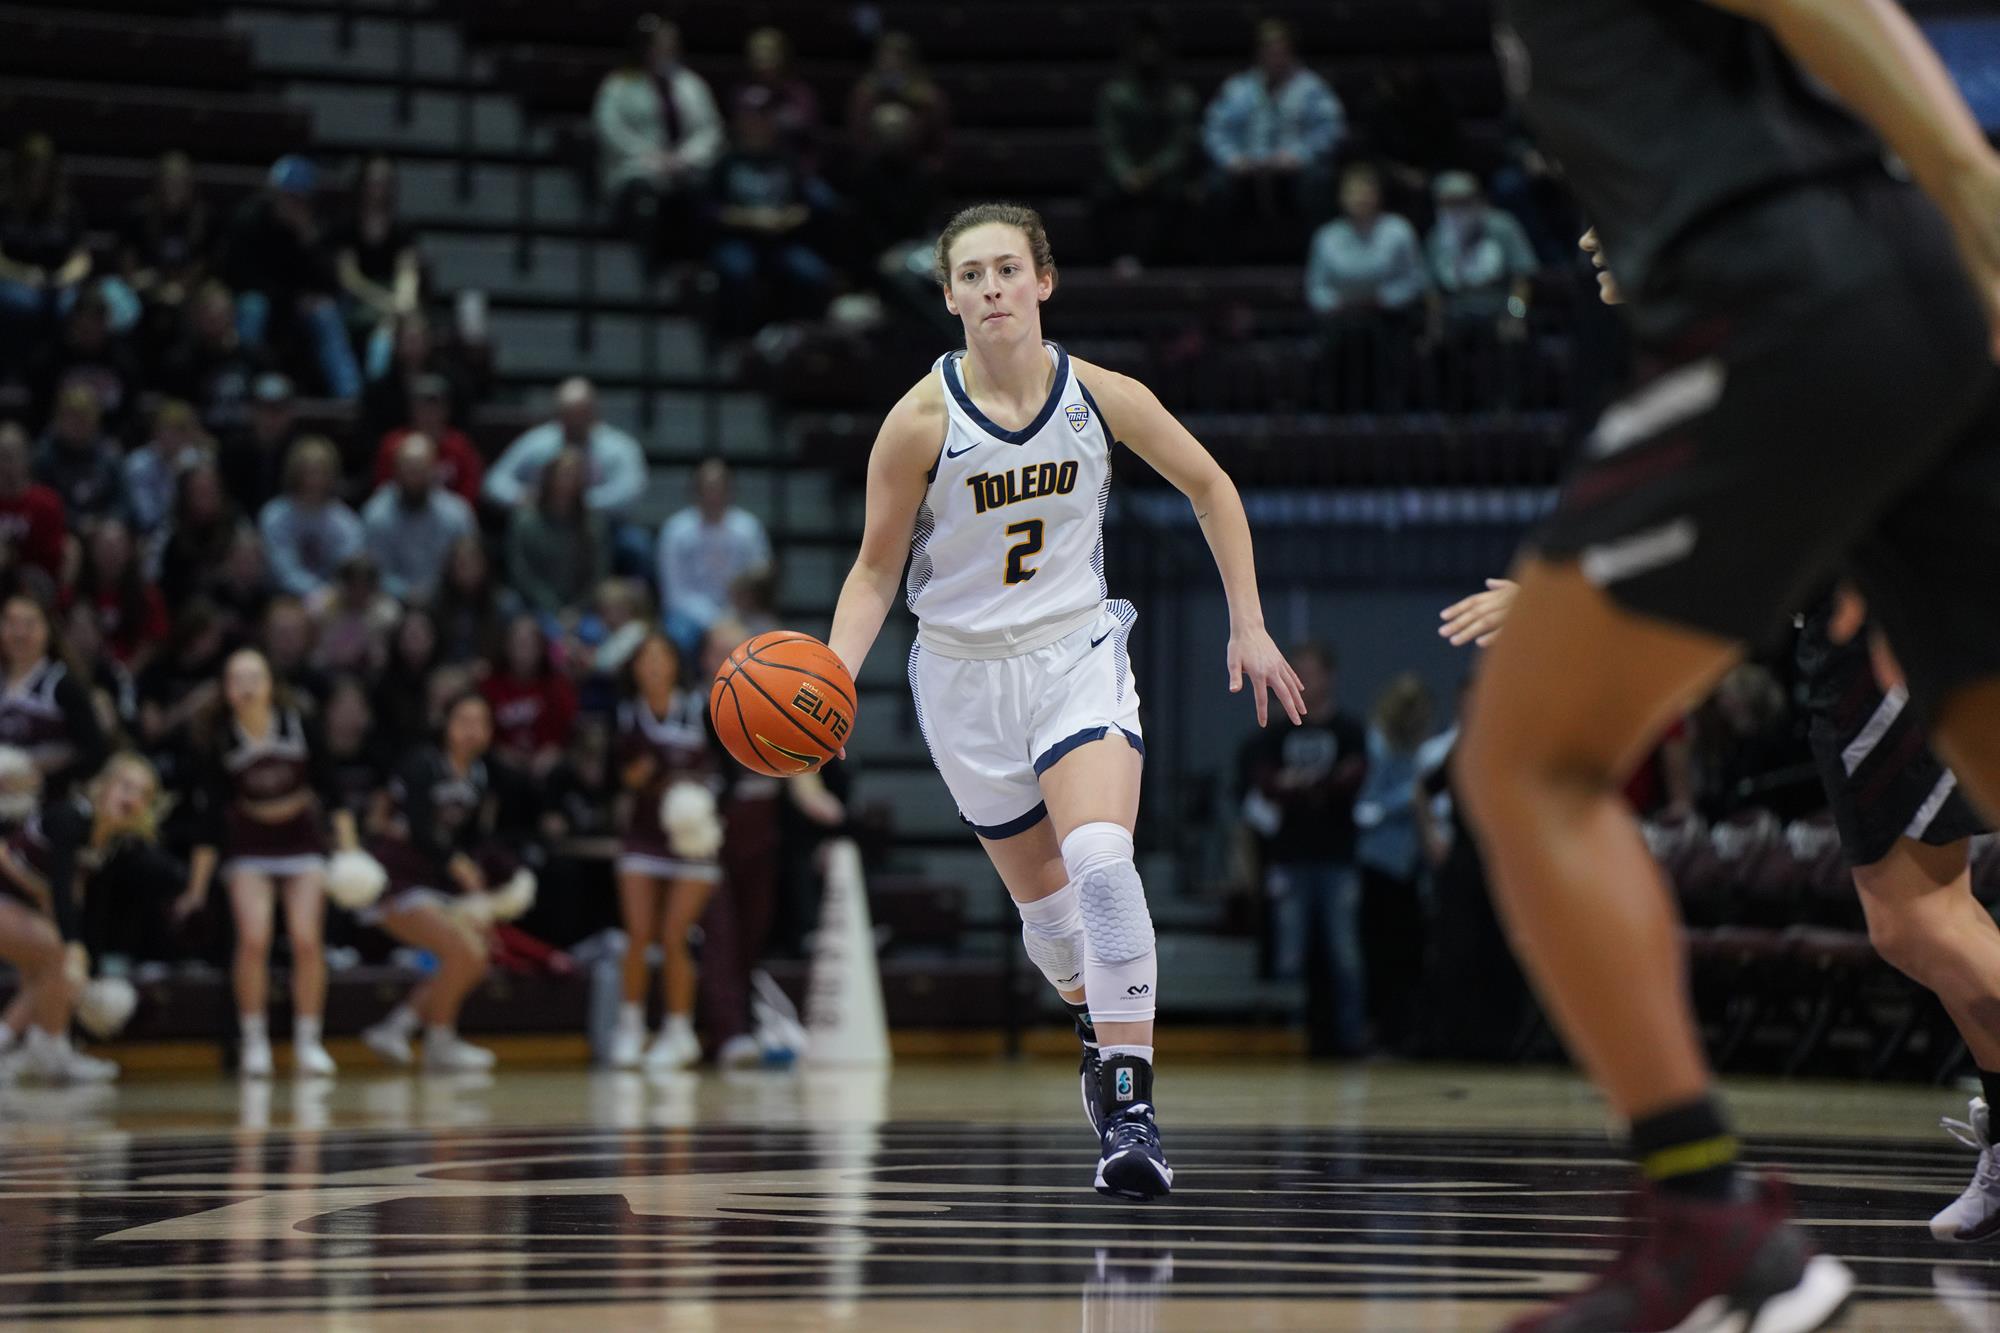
{"points": [[1011, 531]]}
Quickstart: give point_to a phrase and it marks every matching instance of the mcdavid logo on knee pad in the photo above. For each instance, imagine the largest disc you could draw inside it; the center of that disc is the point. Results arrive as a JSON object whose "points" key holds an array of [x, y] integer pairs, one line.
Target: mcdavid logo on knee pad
{"points": [[1139, 990]]}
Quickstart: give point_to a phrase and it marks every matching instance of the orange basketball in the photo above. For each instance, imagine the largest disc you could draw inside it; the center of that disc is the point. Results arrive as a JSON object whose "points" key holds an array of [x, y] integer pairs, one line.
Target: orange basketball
{"points": [[783, 703]]}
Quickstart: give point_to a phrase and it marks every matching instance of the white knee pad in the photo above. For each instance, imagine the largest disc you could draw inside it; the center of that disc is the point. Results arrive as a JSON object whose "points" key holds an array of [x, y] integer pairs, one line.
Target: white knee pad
{"points": [[1121, 970], [1052, 928]]}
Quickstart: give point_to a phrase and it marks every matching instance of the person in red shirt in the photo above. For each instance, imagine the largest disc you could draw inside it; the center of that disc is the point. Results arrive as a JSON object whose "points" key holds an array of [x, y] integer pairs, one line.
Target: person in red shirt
{"points": [[459, 467], [534, 704], [31, 515]]}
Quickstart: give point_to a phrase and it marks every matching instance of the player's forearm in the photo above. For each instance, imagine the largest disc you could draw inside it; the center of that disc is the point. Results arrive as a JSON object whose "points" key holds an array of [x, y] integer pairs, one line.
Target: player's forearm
{"points": [[864, 604], [1219, 510], [1872, 55]]}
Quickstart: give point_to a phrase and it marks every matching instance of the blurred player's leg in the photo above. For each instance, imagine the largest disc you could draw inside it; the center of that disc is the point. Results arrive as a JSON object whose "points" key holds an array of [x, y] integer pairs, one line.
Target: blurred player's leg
{"points": [[461, 955], [639, 906], [676, 1047], [305, 925], [1593, 921], [250, 901]]}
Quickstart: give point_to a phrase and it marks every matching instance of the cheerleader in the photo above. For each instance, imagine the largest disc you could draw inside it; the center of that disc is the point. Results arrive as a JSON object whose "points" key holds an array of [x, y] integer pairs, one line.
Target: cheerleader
{"points": [[45, 707], [45, 873], [438, 816], [261, 794], [667, 866]]}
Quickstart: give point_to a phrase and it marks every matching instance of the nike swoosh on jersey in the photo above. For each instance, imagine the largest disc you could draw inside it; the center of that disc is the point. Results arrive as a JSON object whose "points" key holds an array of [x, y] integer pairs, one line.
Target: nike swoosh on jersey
{"points": [[954, 453], [1102, 637]]}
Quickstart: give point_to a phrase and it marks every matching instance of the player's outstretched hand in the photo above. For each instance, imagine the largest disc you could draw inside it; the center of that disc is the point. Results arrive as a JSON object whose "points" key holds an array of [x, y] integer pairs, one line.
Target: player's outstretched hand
{"points": [[1478, 618], [1252, 654]]}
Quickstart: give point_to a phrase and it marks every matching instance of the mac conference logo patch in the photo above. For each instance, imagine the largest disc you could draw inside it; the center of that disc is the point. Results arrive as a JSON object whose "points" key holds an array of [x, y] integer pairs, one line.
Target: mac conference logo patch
{"points": [[1079, 416]]}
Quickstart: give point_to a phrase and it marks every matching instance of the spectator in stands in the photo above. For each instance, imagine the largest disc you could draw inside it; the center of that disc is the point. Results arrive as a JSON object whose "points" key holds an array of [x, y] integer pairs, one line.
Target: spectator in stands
{"points": [[412, 523], [356, 619], [1392, 905], [130, 615], [558, 550], [309, 533], [606, 639], [211, 365], [1272, 134], [402, 692], [289, 641], [753, 602], [658, 133], [79, 462], [1147, 123], [43, 257], [277, 257], [253, 456], [534, 704], [1367, 281], [704, 549], [614, 464], [241, 585], [1485, 269], [772, 81], [1300, 787], [460, 469], [182, 680], [353, 749], [89, 355], [764, 206], [380, 271], [164, 244], [898, 124], [199, 534], [469, 619], [896, 77], [152, 470], [32, 522], [111, 687]]}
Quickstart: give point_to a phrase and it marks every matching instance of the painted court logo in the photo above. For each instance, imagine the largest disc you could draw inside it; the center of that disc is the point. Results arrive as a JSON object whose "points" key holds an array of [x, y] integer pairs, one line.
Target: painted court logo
{"points": [[1079, 416], [1123, 1084]]}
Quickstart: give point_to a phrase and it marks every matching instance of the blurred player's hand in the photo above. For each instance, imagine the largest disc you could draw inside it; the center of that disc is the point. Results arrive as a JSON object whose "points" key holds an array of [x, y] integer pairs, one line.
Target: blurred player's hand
{"points": [[1252, 654], [1607, 286], [1478, 618]]}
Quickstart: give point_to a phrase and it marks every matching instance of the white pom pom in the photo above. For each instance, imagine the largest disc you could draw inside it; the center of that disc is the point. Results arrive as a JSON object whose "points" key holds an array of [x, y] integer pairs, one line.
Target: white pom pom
{"points": [[513, 899], [20, 784], [355, 880], [694, 829], [106, 1006], [476, 908]]}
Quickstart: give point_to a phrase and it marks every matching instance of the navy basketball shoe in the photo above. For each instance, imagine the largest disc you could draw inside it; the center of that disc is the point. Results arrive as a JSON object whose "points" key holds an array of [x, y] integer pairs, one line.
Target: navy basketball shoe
{"points": [[1132, 1164]]}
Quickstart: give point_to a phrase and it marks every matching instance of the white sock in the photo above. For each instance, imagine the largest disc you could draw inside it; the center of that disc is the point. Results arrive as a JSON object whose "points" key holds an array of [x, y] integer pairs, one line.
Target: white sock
{"points": [[306, 1031], [1113, 1052], [401, 1019], [254, 1029], [677, 1026], [631, 1018], [8, 1037]]}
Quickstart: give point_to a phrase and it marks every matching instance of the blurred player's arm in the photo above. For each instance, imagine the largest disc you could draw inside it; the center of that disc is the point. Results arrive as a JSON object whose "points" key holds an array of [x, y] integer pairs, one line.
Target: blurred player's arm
{"points": [[1150, 431], [898, 474], [1878, 61]]}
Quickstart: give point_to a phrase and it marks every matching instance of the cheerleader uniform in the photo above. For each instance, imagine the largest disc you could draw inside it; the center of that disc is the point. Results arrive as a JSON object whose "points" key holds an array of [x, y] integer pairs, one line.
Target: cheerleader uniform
{"points": [[682, 748], [243, 772], [49, 715], [439, 813]]}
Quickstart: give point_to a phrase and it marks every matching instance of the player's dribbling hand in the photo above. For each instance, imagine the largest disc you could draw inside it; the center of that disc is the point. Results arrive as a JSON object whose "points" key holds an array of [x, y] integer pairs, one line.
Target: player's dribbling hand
{"points": [[1252, 654], [1478, 618], [1607, 286]]}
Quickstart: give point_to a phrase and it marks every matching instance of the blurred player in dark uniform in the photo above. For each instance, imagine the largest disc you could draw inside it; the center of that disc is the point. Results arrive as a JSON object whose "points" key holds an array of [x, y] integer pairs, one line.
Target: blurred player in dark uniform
{"points": [[46, 870], [1817, 341], [665, 874], [438, 845], [263, 793]]}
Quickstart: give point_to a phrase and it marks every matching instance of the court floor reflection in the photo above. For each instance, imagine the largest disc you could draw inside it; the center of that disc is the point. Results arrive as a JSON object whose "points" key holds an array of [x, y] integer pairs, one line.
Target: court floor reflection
{"points": [[1380, 1199]]}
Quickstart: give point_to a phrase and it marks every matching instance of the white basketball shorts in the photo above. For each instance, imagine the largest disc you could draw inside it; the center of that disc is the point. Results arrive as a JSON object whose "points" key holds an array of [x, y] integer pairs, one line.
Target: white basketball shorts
{"points": [[995, 725]]}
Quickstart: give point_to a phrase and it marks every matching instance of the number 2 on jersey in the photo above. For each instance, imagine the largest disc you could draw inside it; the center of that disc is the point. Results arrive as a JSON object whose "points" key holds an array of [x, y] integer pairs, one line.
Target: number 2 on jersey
{"points": [[1030, 533]]}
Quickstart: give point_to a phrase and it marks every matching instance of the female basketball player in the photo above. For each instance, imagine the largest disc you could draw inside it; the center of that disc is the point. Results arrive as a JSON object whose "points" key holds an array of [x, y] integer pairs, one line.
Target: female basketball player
{"points": [[45, 707], [663, 885], [441, 816], [1906, 830], [45, 870], [262, 791], [1797, 306], [990, 478]]}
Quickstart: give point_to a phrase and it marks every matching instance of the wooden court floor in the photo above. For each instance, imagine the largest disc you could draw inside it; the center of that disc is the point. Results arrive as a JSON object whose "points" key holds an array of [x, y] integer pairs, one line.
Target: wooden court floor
{"points": [[945, 1195]]}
